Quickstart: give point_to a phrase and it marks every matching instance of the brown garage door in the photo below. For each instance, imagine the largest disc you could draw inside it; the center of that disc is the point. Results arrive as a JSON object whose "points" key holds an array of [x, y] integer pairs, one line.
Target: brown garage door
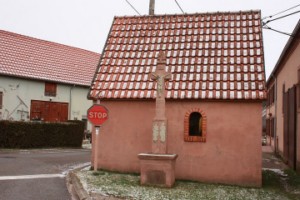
{"points": [[49, 111]]}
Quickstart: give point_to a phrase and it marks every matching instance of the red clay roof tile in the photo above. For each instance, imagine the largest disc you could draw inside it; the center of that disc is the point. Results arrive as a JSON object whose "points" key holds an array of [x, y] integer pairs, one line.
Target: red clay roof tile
{"points": [[210, 56], [28, 57]]}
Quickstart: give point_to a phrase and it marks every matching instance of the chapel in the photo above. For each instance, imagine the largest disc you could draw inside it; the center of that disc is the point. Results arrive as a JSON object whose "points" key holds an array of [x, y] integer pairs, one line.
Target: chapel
{"points": [[213, 95]]}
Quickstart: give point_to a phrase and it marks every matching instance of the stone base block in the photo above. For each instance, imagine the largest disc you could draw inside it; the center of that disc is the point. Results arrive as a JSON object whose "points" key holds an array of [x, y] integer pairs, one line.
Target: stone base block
{"points": [[157, 169]]}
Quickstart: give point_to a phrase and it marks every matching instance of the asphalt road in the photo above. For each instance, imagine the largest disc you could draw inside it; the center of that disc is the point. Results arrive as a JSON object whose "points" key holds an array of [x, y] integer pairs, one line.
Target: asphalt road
{"points": [[38, 174]]}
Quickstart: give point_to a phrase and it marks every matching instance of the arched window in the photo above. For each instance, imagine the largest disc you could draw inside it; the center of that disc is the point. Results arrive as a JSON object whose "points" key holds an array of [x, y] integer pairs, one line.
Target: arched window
{"points": [[195, 126]]}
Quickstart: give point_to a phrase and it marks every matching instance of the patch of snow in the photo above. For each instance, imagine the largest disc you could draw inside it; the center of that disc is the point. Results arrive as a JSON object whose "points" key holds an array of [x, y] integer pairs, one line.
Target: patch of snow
{"points": [[277, 171], [76, 166]]}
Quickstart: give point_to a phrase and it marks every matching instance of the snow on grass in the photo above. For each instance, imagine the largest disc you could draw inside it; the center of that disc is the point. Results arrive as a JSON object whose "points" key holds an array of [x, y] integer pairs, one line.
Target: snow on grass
{"points": [[277, 171], [127, 186], [74, 166]]}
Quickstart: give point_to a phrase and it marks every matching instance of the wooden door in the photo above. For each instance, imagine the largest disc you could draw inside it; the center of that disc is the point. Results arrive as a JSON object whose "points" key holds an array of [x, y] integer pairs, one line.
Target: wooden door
{"points": [[63, 114], [49, 111], [36, 110]]}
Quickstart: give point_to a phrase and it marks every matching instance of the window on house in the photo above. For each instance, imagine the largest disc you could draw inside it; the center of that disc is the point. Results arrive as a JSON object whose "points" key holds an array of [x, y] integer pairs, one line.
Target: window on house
{"points": [[268, 127], [1, 100], [283, 98], [298, 89], [271, 95], [50, 89], [272, 130], [268, 98], [195, 126], [298, 76]]}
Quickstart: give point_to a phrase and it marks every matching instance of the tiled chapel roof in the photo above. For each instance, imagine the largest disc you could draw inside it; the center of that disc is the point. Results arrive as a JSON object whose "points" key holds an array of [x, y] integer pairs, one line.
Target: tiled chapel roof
{"points": [[27, 57], [210, 55]]}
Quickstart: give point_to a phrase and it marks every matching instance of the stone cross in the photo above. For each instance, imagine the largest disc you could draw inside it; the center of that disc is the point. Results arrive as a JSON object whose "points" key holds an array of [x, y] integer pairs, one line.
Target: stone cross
{"points": [[159, 129]]}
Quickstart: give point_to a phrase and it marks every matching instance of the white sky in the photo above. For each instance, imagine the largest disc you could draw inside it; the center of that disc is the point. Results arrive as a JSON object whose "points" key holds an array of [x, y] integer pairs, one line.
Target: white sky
{"points": [[86, 23]]}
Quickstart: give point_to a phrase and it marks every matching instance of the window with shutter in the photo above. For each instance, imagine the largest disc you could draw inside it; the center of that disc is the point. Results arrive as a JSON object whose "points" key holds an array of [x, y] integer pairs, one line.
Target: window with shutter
{"points": [[50, 89], [1, 100]]}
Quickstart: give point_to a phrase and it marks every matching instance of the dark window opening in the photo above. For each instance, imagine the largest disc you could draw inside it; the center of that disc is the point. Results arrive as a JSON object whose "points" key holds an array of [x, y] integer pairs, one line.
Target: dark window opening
{"points": [[283, 99], [270, 127], [271, 95], [298, 89], [195, 124]]}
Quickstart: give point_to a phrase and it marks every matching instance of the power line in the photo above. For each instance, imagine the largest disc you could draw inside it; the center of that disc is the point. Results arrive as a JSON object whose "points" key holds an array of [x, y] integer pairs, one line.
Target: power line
{"points": [[133, 7], [269, 28], [281, 12], [264, 23], [179, 6]]}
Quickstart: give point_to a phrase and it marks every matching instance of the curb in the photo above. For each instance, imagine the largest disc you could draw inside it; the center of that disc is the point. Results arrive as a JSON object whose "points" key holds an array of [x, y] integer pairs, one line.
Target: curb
{"points": [[78, 192], [75, 187]]}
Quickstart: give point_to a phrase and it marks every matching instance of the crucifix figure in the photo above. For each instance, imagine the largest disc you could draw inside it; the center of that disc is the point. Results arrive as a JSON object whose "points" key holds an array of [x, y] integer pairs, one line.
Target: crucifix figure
{"points": [[159, 128], [158, 167]]}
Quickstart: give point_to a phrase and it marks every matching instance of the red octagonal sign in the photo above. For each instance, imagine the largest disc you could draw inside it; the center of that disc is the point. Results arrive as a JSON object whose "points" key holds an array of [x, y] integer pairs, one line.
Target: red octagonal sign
{"points": [[97, 114]]}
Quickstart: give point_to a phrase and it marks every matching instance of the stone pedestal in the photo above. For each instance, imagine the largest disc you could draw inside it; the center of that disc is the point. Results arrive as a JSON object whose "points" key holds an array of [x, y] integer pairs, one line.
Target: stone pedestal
{"points": [[157, 169]]}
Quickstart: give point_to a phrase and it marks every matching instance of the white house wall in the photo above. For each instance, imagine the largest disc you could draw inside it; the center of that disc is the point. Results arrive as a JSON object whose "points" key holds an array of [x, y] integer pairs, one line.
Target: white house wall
{"points": [[18, 93]]}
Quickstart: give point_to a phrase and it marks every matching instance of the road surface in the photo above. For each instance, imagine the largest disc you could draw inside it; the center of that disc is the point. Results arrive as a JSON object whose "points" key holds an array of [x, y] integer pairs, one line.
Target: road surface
{"points": [[38, 174]]}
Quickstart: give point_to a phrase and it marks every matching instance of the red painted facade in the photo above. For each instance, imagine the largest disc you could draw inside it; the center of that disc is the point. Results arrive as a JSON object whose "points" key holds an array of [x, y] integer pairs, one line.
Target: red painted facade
{"points": [[231, 153]]}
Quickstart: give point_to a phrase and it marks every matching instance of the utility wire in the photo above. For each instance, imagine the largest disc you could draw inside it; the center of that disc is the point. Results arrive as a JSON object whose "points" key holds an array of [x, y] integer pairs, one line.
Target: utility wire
{"points": [[264, 23], [269, 28], [179, 6], [281, 12], [265, 26], [133, 7]]}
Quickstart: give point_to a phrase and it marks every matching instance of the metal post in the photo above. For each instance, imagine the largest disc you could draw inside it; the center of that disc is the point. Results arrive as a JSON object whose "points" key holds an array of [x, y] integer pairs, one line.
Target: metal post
{"points": [[97, 130]]}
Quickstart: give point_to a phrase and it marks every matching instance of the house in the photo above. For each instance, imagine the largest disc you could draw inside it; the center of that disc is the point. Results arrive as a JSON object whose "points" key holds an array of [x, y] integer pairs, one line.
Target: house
{"points": [[283, 105], [41, 80], [213, 98]]}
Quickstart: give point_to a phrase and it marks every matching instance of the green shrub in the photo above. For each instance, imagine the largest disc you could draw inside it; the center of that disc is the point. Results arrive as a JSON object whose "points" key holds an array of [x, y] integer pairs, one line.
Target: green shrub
{"points": [[14, 134]]}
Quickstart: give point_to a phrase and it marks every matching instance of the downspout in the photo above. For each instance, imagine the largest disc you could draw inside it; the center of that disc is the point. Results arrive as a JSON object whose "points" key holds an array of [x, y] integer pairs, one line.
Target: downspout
{"points": [[70, 100]]}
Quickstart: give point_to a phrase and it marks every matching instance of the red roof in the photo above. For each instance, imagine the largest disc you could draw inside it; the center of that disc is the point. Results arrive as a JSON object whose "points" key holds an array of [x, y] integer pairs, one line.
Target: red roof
{"points": [[210, 55], [32, 58]]}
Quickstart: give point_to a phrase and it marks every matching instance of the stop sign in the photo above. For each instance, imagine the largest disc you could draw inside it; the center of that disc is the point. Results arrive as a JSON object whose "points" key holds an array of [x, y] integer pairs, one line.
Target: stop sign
{"points": [[97, 114]]}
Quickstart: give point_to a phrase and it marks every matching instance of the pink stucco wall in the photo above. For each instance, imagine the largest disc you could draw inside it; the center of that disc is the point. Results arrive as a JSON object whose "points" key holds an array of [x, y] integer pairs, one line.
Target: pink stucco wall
{"points": [[231, 154]]}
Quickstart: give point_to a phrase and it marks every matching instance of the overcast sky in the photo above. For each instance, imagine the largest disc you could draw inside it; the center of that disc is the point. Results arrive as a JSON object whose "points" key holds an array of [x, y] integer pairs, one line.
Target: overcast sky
{"points": [[86, 23]]}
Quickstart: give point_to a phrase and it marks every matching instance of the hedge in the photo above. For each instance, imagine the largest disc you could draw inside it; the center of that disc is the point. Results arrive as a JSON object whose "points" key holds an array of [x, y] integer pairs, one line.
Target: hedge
{"points": [[16, 134]]}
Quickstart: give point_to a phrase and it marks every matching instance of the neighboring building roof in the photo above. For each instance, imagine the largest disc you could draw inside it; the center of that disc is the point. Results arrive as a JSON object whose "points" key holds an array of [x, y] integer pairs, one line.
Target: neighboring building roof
{"points": [[32, 58], [210, 55], [285, 52]]}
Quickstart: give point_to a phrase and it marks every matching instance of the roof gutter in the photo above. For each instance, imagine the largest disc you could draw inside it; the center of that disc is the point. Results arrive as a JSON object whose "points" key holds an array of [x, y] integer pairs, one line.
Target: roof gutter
{"points": [[70, 101]]}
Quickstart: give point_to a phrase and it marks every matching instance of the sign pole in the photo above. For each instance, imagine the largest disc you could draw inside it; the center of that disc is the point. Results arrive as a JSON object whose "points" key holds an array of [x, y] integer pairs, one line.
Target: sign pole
{"points": [[97, 130], [97, 114]]}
